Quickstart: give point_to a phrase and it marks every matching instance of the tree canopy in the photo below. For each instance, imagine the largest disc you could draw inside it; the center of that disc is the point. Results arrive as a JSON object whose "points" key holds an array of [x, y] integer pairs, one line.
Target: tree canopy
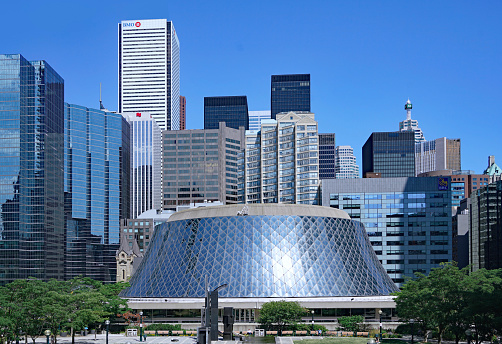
{"points": [[281, 314], [31, 306], [450, 299]]}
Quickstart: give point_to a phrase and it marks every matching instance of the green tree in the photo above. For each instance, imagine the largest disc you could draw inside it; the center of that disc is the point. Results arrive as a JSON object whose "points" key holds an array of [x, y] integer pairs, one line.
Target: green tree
{"points": [[435, 301], [84, 303], [114, 305], [280, 314], [351, 323], [483, 306]]}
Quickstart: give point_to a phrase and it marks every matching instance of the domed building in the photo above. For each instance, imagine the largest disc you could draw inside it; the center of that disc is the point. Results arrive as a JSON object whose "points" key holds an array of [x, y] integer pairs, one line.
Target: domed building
{"points": [[263, 252]]}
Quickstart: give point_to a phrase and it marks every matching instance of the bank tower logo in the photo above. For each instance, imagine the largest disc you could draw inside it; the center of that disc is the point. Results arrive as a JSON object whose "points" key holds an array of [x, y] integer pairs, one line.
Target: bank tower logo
{"points": [[137, 24]]}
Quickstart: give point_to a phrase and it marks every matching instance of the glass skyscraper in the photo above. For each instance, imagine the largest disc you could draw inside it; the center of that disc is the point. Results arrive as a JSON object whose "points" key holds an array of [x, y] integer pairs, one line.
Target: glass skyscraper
{"points": [[232, 110], [146, 152], [255, 118], [290, 93], [31, 170], [408, 220], [327, 156], [392, 154], [149, 70], [96, 185]]}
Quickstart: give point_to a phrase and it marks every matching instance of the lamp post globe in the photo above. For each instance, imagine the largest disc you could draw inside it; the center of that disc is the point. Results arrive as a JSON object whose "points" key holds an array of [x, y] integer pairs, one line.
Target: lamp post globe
{"points": [[48, 335], [107, 323], [468, 333], [412, 322], [140, 326], [312, 320], [380, 319]]}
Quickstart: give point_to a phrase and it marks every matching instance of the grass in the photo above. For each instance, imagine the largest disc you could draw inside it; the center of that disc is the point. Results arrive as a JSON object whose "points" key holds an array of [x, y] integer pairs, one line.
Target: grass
{"points": [[350, 340]]}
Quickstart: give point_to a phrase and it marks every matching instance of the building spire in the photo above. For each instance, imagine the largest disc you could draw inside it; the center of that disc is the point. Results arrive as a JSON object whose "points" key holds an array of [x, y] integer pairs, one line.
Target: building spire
{"points": [[407, 107], [101, 107]]}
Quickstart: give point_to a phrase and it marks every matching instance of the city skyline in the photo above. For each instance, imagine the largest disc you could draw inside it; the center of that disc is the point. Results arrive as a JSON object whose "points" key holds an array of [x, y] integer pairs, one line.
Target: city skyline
{"points": [[364, 61]]}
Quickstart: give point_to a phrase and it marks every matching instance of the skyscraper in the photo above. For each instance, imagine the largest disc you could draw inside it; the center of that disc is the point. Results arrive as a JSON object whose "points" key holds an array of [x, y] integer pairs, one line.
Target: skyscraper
{"points": [[200, 165], [96, 158], [255, 118], [232, 110], [31, 173], [183, 113], [146, 169], [327, 156], [436, 155], [149, 70], [411, 124], [392, 154], [281, 161], [346, 166], [290, 93]]}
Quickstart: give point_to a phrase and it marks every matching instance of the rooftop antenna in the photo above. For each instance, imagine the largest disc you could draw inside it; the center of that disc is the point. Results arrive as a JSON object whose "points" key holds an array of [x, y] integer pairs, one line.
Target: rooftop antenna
{"points": [[101, 107]]}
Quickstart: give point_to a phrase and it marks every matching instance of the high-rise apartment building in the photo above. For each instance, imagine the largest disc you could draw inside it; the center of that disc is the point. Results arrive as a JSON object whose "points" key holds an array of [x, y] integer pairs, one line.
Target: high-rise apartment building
{"points": [[408, 220], [31, 173], [97, 157], [327, 158], [183, 113], [485, 234], [392, 154], [149, 70], [411, 124], [255, 118], [290, 92], [200, 165], [231, 110], [439, 154], [281, 161], [146, 163], [345, 163]]}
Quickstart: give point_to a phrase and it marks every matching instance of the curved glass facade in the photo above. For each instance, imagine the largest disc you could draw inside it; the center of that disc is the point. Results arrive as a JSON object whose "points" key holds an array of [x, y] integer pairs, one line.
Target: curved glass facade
{"points": [[260, 256]]}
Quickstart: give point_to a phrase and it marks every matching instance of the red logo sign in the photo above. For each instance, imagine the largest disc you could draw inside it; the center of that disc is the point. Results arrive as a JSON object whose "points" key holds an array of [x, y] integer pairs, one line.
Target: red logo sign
{"points": [[138, 114], [138, 24]]}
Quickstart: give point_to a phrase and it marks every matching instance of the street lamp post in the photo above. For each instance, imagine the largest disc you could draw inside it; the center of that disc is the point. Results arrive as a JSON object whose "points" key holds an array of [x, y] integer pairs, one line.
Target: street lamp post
{"points": [[380, 313], [312, 320], [107, 323], [468, 333], [48, 335], [140, 326], [412, 322]]}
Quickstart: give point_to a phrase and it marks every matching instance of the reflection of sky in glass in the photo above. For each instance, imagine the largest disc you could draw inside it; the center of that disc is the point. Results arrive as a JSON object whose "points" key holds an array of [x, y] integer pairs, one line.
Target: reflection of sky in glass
{"points": [[261, 256]]}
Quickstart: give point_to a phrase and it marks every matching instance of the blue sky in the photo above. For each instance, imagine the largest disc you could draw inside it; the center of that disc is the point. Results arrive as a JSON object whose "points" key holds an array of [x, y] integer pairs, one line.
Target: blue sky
{"points": [[365, 59]]}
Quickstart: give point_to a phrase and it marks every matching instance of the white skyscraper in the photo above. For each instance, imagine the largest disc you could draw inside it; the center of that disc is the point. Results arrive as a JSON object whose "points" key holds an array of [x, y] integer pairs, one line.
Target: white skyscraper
{"points": [[146, 155], [345, 163], [281, 161], [411, 124], [149, 70], [255, 118]]}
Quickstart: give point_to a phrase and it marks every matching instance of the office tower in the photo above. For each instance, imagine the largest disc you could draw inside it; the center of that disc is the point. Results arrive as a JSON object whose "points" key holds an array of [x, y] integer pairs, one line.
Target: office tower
{"points": [[392, 154], [146, 163], [97, 155], [408, 220], [281, 161], [345, 166], [463, 183], [31, 160], [327, 156], [233, 111], [411, 124], [290, 93], [200, 165], [436, 155], [486, 228], [493, 170], [183, 113], [255, 118], [460, 231], [149, 70]]}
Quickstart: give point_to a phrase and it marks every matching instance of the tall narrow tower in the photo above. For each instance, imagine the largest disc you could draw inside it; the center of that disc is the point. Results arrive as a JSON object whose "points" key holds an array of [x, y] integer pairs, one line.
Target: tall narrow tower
{"points": [[149, 70], [411, 124]]}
